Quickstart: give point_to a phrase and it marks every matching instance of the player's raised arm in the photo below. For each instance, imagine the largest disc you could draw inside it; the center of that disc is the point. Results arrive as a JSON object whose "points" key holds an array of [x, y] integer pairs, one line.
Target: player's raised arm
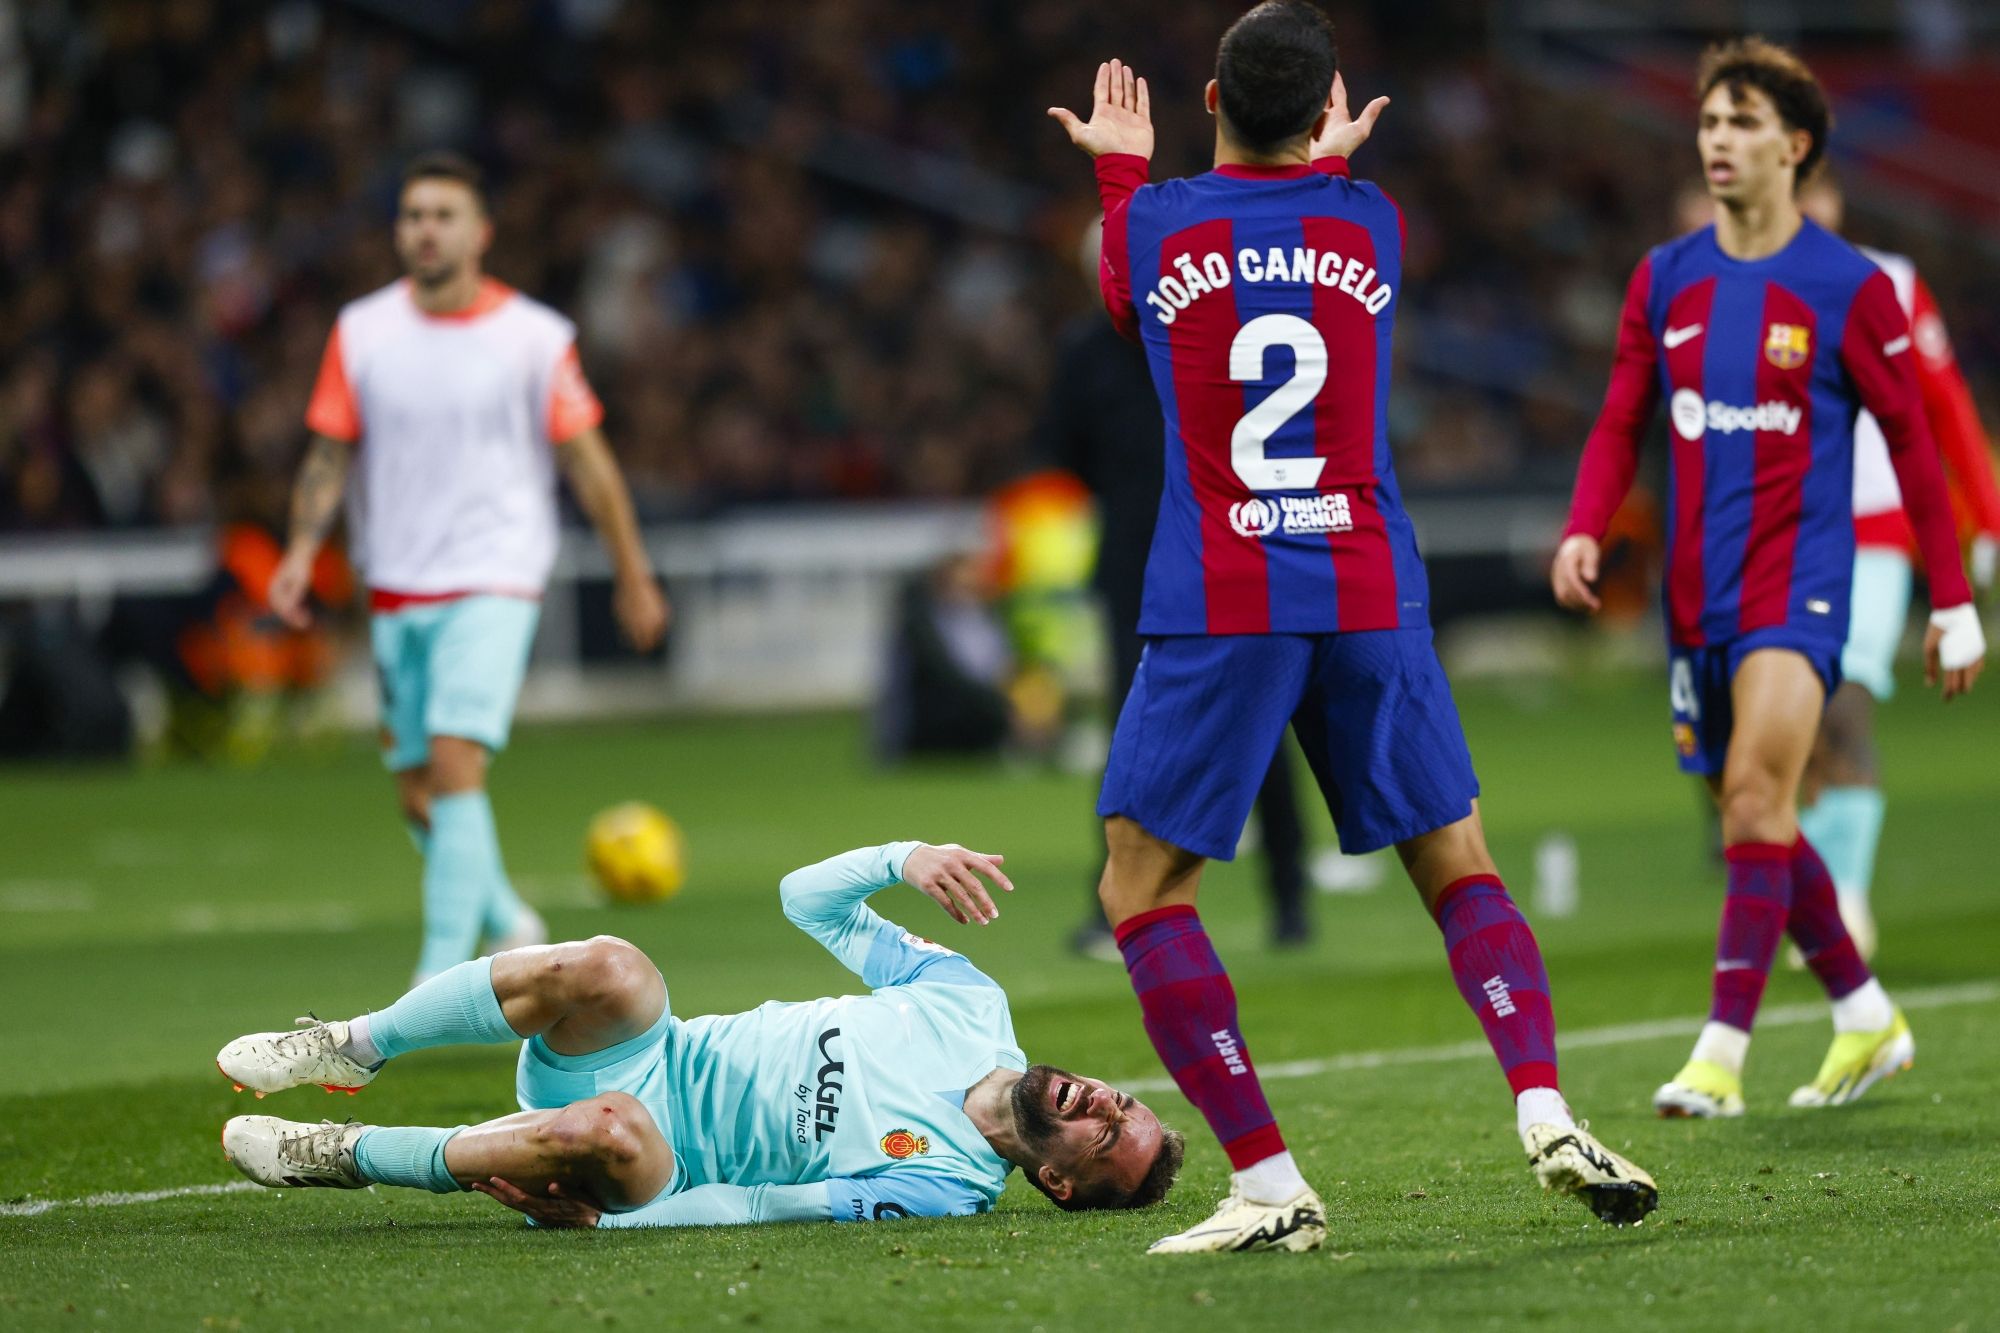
{"points": [[828, 901], [1121, 115], [1119, 135], [1611, 455], [1339, 134], [1877, 351]]}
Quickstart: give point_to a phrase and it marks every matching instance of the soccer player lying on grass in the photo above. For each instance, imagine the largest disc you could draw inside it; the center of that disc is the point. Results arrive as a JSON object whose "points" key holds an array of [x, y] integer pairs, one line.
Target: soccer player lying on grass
{"points": [[910, 1101]]}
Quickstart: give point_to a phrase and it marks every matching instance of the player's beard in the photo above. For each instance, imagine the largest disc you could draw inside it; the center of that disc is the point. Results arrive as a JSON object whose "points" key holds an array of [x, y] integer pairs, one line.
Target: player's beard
{"points": [[434, 272], [1033, 1115]]}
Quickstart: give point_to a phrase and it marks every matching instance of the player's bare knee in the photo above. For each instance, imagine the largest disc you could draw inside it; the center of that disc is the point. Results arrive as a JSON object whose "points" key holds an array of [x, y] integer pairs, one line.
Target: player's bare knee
{"points": [[456, 765], [1754, 810], [609, 976], [622, 1131]]}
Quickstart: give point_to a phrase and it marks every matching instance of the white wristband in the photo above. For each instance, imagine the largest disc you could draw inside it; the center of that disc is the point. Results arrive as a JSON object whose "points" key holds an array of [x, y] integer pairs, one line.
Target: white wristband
{"points": [[1964, 642]]}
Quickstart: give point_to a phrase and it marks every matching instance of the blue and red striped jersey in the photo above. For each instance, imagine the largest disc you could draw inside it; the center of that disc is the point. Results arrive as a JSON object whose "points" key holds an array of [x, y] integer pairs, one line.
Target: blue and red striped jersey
{"points": [[1764, 365], [1264, 298]]}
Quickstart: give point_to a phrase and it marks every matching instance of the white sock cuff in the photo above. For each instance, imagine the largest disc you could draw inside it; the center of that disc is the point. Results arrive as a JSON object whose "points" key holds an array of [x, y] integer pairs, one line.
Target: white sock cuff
{"points": [[1721, 1044], [1274, 1180], [1866, 1008], [1541, 1106]]}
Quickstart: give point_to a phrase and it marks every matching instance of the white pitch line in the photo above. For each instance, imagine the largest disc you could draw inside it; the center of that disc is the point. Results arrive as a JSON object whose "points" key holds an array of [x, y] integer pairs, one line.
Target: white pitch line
{"points": [[1618, 1034], [36, 1207]]}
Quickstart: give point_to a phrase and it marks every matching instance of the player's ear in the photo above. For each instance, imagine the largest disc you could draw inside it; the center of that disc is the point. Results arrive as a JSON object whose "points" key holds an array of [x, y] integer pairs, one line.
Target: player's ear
{"points": [[1211, 96], [1801, 145], [1054, 1183]]}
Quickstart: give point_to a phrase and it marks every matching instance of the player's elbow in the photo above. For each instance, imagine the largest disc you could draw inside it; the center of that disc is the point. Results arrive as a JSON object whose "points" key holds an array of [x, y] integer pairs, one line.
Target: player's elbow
{"points": [[792, 893]]}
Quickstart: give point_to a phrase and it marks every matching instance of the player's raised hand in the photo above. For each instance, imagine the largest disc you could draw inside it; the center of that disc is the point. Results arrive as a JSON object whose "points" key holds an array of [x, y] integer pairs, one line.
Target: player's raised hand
{"points": [[950, 877], [554, 1209], [1343, 133], [1573, 573], [1121, 115], [1954, 649]]}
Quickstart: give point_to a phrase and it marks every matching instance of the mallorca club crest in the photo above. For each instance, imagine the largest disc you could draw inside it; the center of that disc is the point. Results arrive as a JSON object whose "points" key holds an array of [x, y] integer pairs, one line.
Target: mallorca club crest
{"points": [[1787, 346], [901, 1143]]}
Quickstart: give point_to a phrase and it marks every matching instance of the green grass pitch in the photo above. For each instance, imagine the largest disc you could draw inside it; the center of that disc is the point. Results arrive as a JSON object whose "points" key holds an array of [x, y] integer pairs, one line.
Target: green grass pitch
{"points": [[148, 916]]}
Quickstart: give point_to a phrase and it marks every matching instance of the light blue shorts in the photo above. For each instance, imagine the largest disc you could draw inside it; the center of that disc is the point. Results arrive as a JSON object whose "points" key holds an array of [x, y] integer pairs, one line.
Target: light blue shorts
{"points": [[450, 669], [544, 1080], [1881, 610]]}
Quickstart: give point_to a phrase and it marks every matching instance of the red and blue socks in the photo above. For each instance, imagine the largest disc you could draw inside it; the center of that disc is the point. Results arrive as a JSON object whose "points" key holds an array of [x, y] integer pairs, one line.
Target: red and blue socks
{"points": [[1498, 968], [1754, 913], [1190, 1014], [1859, 1002]]}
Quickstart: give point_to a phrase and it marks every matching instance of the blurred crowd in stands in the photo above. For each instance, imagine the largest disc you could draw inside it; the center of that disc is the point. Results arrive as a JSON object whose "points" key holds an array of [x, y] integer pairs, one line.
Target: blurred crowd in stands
{"points": [[817, 248]]}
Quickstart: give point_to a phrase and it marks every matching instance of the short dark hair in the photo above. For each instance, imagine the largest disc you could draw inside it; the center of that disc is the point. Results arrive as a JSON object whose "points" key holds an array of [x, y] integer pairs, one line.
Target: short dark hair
{"points": [[1158, 1180], [444, 165], [1272, 71], [1777, 72]]}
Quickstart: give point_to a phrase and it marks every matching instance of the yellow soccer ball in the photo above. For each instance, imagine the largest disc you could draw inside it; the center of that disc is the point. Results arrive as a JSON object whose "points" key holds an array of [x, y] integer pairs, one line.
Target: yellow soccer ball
{"points": [[636, 853]]}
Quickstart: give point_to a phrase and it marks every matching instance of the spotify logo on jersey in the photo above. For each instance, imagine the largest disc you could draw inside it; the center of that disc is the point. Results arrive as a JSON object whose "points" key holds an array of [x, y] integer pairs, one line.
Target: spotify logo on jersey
{"points": [[1689, 413]]}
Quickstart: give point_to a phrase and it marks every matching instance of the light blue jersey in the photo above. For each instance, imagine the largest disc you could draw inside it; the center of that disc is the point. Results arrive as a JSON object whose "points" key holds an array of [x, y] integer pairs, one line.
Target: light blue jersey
{"points": [[847, 1108]]}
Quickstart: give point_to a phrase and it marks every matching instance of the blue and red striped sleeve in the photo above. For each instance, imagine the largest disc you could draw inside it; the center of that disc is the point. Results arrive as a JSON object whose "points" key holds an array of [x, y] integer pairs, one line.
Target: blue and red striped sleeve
{"points": [[1876, 348], [1119, 176], [1611, 455]]}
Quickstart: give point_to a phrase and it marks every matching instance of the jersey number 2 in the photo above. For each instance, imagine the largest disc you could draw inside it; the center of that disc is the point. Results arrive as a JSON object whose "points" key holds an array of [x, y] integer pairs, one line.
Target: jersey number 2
{"points": [[1246, 363]]}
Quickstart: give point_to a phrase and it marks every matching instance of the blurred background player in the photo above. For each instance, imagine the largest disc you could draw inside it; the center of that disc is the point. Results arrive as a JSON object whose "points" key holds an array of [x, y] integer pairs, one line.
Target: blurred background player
{"points": [[1769, 334], [1102, 422], [1284, 585], [911, 1101], [451, 398], [1844, 806]]}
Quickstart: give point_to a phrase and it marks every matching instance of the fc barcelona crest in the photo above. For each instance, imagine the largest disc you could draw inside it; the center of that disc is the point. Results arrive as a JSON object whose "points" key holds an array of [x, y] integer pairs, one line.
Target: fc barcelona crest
{"points": [[1787, 346]]}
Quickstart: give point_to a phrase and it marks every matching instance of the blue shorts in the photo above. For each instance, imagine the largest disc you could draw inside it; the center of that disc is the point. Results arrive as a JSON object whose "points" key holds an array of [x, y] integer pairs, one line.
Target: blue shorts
{"points": [[544, 1080], [1698, 686], [1206, 713], [450, 669], [1879, 611]]}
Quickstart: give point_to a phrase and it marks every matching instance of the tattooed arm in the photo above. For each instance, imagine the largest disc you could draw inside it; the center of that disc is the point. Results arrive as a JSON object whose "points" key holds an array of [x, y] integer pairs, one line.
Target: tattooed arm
{"points": [[316, 497]]}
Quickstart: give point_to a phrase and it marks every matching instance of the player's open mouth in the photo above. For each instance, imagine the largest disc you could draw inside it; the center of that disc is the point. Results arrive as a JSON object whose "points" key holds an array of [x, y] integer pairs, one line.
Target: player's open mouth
{"points": [[1721, 172], [1067, 1095]]}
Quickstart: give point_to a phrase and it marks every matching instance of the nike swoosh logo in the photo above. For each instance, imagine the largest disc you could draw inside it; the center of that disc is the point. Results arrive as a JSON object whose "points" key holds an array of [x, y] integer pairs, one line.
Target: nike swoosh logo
{"points": [[1675, 337], [1897, 346]]}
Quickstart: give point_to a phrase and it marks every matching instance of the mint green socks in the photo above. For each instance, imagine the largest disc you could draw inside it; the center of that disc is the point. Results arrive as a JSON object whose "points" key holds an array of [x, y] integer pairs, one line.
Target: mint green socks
{"points": [[1845, 827], [461, 867], [411, 1156], [455, 1007]]}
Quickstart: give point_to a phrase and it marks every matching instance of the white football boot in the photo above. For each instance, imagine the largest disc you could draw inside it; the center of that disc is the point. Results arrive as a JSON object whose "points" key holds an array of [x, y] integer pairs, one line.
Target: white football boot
{"points": [[268, 1062], [282, 1153], [1572, 1161], [1239, 1226]]}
